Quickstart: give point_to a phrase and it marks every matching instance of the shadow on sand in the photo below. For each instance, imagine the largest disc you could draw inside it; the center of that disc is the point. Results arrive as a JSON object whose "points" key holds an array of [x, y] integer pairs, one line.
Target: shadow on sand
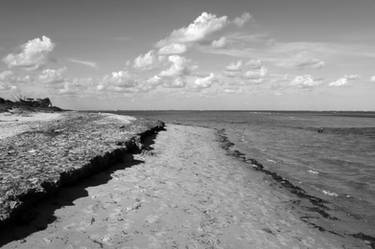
{"points": [[43, 213]]}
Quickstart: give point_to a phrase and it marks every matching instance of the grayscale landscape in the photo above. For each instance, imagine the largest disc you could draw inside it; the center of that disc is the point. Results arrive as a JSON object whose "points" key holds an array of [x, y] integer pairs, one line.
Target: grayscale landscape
{"points": [[187, 124]]}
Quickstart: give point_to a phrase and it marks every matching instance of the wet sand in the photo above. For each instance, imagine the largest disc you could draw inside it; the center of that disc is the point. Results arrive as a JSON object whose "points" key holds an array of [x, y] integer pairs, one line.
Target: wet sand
{"points": [[185, 193]]}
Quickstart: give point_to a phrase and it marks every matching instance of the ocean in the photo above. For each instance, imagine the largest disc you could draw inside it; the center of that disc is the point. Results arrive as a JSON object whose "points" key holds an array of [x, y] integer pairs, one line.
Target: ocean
{"points": [[327, 156]]}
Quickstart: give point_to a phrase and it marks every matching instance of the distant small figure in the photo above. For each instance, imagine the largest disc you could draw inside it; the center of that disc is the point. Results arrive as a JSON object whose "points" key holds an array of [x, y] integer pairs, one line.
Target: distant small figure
{"points": [[320, 130]]}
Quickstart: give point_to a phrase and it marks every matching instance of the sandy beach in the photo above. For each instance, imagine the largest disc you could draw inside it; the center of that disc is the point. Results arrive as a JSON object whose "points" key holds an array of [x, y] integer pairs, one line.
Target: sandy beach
{"points": [[185, 193]]}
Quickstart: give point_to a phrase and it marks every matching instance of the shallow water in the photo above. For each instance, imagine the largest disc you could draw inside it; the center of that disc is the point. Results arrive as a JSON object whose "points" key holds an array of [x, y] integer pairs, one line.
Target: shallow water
{"points": [[329, 155]]}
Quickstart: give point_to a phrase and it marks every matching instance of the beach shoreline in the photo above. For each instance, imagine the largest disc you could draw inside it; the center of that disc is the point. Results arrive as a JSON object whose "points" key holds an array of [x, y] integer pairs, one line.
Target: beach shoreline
{"points": [[185, 192], [42, 152]]}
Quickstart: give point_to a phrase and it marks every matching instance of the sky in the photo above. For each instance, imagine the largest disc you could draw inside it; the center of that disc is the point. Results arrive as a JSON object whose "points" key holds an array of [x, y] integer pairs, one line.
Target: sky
{"points": [[176, 55]]}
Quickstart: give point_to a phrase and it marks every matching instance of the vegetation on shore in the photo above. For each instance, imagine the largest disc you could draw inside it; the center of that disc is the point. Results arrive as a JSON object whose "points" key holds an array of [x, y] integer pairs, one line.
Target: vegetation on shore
{"points": [[28, 104]]}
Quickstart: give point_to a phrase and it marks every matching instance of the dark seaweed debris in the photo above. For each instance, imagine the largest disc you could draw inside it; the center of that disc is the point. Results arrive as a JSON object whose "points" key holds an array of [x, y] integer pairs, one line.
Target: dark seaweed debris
{"points": [[366, 238], [319, 205]]}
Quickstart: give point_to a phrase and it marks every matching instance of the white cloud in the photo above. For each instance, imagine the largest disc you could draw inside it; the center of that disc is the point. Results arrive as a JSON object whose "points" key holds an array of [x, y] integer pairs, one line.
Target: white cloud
{"points": [[305, 81], [5, 75], [120, 79], [352, 76], [244, 18], [301, 60], [339, 82], [204, 82], [174, 48], [180, 66], [256, 74], [344, 80], [10, 78], [175, 75], [234, 66], [145, 61], [4, 81], [50, 76], [83, 62], [220, 43], [202, 26], [33, 54], [372, 79], [254, 64]]}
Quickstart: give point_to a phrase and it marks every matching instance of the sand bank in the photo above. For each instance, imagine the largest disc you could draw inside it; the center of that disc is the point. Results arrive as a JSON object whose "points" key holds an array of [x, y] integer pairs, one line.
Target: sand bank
{"points": [[39, 152], [186, 193]]}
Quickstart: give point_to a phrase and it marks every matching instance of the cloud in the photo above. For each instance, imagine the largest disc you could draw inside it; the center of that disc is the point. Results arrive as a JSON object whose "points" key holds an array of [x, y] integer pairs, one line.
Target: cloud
{"points": [[204, 25], [175, 75], [352, 76], [204, 82], [85, 63], [254, 64], [339, 82], [74, 87], [174, 48], [301, 60], [256, 74], [244, 18], [305, 81], [117, 81], [145, 61], [33, 54], [4, 81], [372, 78], [220, 43], [234, 66], [51, 76], [180, 66], [10, 78], [344, 80]]}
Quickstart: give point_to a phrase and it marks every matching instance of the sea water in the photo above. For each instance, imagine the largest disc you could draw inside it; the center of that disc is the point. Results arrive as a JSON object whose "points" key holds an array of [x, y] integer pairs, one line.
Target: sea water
{"points": [[330, 155]]}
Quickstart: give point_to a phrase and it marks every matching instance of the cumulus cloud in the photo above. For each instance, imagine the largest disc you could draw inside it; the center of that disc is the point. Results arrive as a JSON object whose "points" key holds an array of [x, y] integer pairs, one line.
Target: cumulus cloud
{"points": [[305, 81], [4, 81], [180, 66], [83, 62], [74, 87], [241, 20], [145, 61], [344, 80], [51, 76], [352, 76], [33, 54], [251, 71], [339, 82], [257, 75], [121, 79], [174, 48], [234, 66], [202, 26], [254, 64], [204, 82], [10, 78], [220, 43], [175, 75]]}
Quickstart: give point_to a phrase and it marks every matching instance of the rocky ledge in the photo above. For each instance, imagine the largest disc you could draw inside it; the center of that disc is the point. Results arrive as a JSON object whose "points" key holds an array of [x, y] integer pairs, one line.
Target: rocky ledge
{"points": [[54, 153]]}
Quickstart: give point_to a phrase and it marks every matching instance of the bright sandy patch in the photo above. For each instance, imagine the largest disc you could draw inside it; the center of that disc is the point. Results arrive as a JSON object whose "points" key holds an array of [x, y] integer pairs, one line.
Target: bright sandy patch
{"points": [[12, 124]]}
